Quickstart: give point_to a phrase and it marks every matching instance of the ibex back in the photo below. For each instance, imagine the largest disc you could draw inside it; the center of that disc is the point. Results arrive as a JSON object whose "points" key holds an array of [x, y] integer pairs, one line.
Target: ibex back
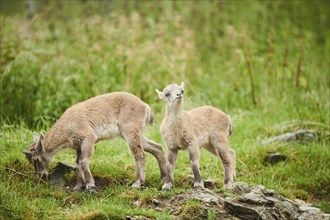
{"points": [[102, 117]]}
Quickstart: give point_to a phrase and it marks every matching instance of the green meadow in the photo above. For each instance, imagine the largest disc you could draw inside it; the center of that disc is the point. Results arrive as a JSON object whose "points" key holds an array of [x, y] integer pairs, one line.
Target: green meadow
{"points": [[265, 63]]}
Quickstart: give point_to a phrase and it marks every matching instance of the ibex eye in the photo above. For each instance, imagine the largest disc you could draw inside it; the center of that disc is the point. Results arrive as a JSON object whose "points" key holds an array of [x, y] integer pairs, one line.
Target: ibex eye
{"points": [[182, 91], [36, 163], [167, 94]]}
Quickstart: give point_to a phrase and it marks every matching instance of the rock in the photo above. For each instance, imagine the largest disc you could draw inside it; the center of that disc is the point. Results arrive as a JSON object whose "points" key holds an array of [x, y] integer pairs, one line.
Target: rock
{"points": [[137, 217], [300, 202], [180, 198], [156, 202], [314, 215], [301, 136], [137, 203], [255, 202], [204, 195], [275, 157], [210, 184], [309, 212], [57, 177], [262, 203], [240, 188], [308, 208], [158, 209], [62, 168], [91, 190], [241, 211]]}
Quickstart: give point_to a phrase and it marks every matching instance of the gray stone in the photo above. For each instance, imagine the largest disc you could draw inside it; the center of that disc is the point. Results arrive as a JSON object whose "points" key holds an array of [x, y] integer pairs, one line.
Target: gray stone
{"points": [[62, 168], [240, 188], [241, 211], [249, 203], [262, 203], [301, 136], [313, 215], [307, 208], [137, 217], [205, 195], [56, 178], [210, 184], [91, 190], [155, 201], [137, 203], [309, 212], [275, 157]]}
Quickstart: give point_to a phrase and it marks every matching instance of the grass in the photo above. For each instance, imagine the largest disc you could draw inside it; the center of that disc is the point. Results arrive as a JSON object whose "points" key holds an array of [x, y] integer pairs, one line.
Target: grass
{"points": [[269, 74], [303, 176]]}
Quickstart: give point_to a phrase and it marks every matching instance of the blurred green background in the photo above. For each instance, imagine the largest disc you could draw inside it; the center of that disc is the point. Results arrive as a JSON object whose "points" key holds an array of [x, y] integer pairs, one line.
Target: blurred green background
{"points": [[231, 54]]}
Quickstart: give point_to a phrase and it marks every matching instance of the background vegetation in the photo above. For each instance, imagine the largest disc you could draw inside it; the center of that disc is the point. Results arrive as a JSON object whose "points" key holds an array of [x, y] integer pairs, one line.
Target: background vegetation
{"points": [[266, 63]]}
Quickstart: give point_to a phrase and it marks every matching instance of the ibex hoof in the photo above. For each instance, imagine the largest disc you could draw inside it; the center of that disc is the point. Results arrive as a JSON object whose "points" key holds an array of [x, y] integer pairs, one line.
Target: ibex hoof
{"points": [[91, 190], [199, 185], [228, 186], [77, 188], [167, 186], [136, 185]]}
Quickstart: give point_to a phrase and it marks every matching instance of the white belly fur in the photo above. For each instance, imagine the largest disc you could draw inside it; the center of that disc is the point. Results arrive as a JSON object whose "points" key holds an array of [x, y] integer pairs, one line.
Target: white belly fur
{"points": [[106, 132]]}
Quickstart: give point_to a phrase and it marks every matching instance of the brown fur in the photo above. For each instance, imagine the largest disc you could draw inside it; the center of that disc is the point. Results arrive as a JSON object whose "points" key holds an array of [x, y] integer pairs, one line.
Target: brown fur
{"points": [[99, 118], [206, 127]]}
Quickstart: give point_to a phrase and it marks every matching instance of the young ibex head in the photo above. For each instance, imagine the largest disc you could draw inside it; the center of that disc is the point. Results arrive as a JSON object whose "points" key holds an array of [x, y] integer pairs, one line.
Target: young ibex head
{"points": [[172, 94], [35, 155]]}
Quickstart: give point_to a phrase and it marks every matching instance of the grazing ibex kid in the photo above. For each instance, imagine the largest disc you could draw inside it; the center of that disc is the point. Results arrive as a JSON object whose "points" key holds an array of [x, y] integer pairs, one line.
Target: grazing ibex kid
{"points": [[102, 117], [206, 127]]}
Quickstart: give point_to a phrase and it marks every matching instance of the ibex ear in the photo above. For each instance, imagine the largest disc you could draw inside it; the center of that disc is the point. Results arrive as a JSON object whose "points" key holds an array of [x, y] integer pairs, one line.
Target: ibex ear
{"points": [[182, 85], [160, 94], [42, 138], [40, 145], [35, 137]]}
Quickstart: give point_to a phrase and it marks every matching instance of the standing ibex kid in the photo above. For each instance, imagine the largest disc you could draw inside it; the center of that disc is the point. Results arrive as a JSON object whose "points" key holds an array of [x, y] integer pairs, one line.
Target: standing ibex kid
{"points": [[206, 127], [102, 117]]}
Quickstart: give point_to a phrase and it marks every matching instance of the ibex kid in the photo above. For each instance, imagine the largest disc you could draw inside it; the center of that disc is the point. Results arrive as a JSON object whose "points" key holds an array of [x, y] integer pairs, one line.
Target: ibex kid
{"points": [[206, 127], [102, 117]]}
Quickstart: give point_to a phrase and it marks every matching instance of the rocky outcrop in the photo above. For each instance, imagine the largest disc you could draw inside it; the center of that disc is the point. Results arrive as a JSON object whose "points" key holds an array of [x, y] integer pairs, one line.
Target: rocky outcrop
{"points": [[261, 203], [245, 203]]}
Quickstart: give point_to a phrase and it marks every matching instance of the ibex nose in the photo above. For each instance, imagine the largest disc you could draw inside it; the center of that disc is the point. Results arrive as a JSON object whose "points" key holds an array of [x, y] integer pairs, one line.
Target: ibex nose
{"points": [[179, 95]]}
